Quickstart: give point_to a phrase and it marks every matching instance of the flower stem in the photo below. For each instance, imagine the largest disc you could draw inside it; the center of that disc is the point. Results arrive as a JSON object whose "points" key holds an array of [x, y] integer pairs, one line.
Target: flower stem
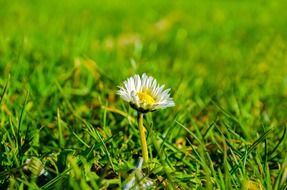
{"points": [[142, 137]]}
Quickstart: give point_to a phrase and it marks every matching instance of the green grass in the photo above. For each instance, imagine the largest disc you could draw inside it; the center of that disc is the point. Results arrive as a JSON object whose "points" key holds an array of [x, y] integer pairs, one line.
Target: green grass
{"points": [[225, 61]]}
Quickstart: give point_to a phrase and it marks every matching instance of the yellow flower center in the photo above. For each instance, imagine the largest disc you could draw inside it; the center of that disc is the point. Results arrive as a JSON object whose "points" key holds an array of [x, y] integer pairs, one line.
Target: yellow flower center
{"points": [[146, 97]]}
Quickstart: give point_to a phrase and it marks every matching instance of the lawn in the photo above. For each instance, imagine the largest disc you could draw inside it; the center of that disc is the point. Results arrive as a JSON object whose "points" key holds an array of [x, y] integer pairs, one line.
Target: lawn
{"points": [[61, 63]]}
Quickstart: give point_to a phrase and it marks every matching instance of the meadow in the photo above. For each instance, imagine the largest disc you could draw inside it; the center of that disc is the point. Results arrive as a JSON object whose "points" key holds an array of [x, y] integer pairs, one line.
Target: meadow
{"points": [[61, 63]]}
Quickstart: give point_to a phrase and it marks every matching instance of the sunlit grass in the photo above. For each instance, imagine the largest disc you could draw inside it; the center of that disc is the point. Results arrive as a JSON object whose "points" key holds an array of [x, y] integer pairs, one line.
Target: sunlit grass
{"points": [[61, 63]]}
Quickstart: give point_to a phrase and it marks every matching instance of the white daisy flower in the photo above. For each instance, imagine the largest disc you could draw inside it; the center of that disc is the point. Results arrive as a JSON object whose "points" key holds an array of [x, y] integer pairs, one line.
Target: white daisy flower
{"points": [[145, 94]]}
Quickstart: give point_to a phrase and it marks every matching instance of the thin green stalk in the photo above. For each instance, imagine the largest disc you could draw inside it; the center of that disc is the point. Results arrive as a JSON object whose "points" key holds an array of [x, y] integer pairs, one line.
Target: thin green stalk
{"points": [[142, 137]]}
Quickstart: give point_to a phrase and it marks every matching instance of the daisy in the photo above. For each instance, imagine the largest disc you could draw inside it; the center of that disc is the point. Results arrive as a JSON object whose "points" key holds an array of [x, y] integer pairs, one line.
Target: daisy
{"points": [[145, 95]]}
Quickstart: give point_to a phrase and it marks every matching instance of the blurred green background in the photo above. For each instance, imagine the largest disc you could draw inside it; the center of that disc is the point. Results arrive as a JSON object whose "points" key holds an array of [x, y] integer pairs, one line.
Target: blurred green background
{"points": [[225, 62]]}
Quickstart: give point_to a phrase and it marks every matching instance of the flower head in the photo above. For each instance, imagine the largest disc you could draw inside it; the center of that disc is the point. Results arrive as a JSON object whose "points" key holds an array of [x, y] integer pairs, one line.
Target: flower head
{"points": [[145, 94]]}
